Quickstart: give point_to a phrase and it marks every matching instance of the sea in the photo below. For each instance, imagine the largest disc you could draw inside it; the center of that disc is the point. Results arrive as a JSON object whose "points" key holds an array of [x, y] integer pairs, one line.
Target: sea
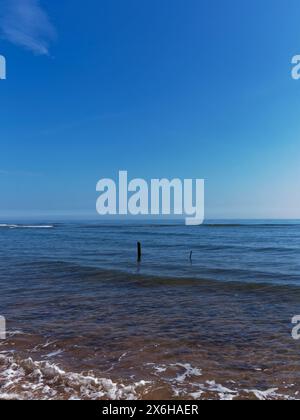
{"points": [[206, 314]]}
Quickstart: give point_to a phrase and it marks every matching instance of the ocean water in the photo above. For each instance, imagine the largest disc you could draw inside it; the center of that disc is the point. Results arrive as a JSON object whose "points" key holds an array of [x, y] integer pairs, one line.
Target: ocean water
{"points": [[86, 321]]}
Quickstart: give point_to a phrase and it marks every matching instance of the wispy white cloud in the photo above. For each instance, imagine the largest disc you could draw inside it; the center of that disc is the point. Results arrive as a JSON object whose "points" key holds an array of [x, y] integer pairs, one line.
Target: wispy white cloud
{"points": [[25, 23]]}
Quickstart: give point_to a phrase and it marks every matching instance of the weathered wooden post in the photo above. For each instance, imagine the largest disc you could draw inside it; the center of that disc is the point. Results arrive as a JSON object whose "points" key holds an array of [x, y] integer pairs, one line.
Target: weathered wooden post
{"points": [[139, 252]]}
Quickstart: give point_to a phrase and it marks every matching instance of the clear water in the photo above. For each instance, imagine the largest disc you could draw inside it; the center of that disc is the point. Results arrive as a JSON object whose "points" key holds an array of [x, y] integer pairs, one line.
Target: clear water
{"points": [[216, 326]]}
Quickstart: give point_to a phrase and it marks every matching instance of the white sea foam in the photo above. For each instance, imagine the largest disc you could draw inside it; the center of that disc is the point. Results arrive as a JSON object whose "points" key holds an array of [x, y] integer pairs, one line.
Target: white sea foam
{"points": [[184, 381], [223, 392], [189, 371], [27, 380], [32, 227], [13, 226], [43, 380], [11, 334], [266, 395], [182, 371], [53, 354]]}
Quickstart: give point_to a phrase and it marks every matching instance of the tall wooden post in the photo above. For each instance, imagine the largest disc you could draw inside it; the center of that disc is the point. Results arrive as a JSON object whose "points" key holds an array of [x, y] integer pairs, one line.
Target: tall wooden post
{"points": [[139, 252]]}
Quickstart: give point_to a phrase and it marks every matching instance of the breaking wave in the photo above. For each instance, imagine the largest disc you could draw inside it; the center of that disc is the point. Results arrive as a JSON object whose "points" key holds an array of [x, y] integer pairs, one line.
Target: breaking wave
{"points": [[12, 226], [29, 380]]}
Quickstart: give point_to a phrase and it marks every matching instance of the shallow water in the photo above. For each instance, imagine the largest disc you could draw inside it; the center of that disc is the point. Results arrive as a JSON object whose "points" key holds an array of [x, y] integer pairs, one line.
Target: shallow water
{"points": [[92, 323]]}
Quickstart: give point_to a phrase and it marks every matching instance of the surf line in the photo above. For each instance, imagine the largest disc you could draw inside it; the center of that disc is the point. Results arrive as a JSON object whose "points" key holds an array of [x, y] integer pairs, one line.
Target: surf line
{"points": [[2, 67]]}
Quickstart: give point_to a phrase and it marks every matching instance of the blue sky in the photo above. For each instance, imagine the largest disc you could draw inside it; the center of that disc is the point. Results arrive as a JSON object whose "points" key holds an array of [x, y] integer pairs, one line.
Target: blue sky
{"points": [[161, 88]]}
